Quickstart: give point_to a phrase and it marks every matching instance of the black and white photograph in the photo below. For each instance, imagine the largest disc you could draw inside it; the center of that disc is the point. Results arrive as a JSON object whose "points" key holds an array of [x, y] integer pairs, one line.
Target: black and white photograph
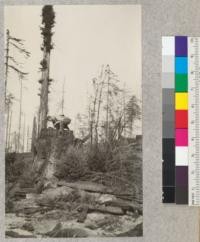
{"points": [[73, 121]]}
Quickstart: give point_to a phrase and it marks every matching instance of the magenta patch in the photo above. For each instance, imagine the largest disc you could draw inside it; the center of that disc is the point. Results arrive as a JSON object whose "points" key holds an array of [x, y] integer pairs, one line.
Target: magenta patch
{"points": [[181, 137]]}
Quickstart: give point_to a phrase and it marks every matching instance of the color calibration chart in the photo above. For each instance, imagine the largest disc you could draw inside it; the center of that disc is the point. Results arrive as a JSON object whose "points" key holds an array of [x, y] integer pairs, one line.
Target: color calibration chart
{"points": [[181, 120]]}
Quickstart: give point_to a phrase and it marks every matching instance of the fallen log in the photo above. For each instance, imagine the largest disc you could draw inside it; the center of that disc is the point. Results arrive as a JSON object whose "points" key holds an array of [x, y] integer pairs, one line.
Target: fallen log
{"points": [[125, 205], [86, 186], [33, 210], [84, 209], [108, 209], [13, 234], [94, 187]]}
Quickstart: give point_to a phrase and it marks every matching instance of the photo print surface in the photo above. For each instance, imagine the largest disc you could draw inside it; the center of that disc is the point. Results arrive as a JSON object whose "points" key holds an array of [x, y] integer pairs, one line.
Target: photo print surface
{"points": [[73, 125]]}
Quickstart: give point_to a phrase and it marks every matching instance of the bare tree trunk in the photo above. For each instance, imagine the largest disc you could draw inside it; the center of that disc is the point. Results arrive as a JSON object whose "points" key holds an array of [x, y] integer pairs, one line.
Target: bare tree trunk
{"points": [[20, 114], [34, 134], [90, 122], [63, 97], [94, 107], [124, 110], [7, 124], [24, 127], [27, 140], [107, 109], [9, 131], [15, 140], [7, 56], [131, 129], [99, 103], [48, 17], [44, 93]]}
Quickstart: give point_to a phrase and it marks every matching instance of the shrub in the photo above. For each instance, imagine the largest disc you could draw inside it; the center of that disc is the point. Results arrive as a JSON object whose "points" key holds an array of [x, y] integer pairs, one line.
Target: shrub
{"points": [[98, 156], [72, 165], [14, 166]]}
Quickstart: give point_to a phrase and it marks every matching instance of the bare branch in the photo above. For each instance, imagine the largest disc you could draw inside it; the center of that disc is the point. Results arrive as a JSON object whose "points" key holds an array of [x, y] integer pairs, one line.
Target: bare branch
{"points": [[16, 39], [22, 50], [14, 61], [17, 70]]}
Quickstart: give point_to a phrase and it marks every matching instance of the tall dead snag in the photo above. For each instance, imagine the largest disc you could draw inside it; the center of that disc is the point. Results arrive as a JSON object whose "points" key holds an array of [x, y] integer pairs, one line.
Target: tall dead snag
{"points": [[10, 61], [8, 106], [34, 134], [101, 85], [27, 140], [48, 20], [12, 64]]}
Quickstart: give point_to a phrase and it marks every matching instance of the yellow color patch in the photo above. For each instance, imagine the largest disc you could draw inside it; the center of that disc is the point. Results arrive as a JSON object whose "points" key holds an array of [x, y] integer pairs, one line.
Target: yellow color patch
{"points": [[181, 101]]}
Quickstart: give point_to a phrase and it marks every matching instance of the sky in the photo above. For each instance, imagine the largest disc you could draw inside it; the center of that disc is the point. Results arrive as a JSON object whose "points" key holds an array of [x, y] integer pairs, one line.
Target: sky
{"points": [[85, 38]]}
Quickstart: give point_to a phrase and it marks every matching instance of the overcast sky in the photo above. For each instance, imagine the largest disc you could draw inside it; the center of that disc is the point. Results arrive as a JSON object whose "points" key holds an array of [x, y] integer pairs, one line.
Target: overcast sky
{"points": [[85, 38]]}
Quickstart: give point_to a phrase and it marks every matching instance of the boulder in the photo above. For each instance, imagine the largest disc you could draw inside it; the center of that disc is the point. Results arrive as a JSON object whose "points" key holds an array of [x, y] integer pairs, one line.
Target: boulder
{"points": [[93, 220], [62, 232], [50, 196], [19, 233], [56, 193], [105, 198], [28, 226]]}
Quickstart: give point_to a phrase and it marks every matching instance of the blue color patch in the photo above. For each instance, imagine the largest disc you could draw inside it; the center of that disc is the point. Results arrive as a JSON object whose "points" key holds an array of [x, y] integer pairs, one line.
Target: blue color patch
{"points": [[181, 65]]}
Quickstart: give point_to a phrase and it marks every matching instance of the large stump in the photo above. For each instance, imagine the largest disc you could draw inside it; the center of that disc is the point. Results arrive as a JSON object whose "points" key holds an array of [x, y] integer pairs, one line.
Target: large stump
{"points": [[47, 151]]}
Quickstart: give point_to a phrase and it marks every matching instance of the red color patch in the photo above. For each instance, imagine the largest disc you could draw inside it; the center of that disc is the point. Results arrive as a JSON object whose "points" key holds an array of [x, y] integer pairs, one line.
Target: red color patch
{"points": [[181, 119]]}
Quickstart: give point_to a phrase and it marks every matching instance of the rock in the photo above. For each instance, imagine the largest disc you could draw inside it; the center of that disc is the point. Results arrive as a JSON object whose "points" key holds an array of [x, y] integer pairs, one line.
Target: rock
{"points": [[59, 232], [25, 203], [55, 214], [28, 226], [9, 206], [30, 195], [43, 226], [83, 214], [92, 220], [19, 233], [50, 196], [105, 198], [112, 225], [58, 192], [137, 231], [15, 188], [31, 211], [12, 220], [130, 226], [52, 183], [70, 233], [54, 230]]}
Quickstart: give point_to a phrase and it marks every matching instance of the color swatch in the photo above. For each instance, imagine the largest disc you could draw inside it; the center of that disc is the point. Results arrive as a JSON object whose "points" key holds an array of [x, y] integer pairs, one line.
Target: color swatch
{"points": [[181, 127], [175, 119], [181, 119], [168, 117]]}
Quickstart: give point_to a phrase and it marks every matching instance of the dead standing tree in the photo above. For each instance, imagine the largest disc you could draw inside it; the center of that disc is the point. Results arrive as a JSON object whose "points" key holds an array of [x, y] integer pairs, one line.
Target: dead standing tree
{"points": [[48, 21], [101, 104], [34, 134], [8, 104], [111, 111], [12, 64], [101, 86]]}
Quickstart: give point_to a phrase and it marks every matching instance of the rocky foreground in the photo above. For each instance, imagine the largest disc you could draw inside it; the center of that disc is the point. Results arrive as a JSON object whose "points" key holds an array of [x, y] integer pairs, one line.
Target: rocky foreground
{"points": [[55, 193], [72, 210]]}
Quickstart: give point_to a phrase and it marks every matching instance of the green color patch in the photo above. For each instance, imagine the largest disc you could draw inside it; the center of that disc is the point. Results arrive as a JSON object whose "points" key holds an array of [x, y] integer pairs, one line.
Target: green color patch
{"points": [[181, 82]]}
